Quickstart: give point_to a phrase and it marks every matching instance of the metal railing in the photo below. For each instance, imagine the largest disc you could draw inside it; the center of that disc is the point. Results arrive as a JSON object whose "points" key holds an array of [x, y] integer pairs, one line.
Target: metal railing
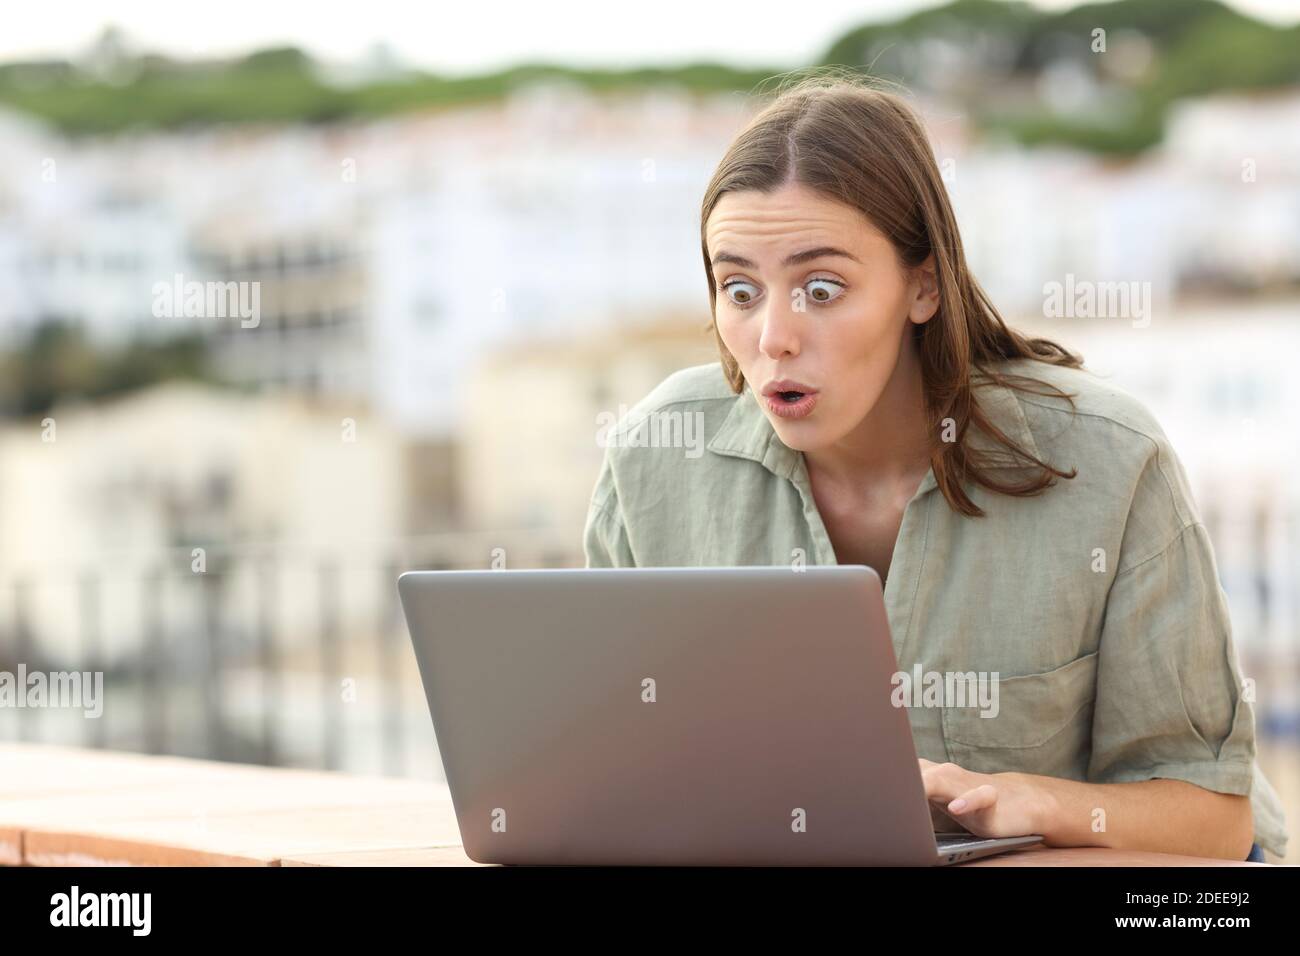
{"points": [[257, 659]]}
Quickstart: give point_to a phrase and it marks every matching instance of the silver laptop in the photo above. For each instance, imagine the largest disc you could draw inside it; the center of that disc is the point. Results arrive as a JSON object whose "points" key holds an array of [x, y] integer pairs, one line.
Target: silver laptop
{"points": [[674, 716]]}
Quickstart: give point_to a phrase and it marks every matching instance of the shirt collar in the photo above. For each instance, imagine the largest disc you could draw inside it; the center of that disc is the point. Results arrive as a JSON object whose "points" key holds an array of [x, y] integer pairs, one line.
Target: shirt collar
{"points": [[747, 433]]}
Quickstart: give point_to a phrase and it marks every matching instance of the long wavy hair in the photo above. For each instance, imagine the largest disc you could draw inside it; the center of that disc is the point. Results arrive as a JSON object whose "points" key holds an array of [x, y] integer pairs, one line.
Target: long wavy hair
{"points": [[858, 142]]}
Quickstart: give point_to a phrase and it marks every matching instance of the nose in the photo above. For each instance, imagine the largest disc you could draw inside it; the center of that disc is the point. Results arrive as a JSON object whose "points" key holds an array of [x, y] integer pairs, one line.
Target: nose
{"points": [[781, 331]]}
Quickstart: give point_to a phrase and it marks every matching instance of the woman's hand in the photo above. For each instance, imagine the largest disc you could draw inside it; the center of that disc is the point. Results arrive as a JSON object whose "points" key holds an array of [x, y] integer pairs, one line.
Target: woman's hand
{"points": [[986, 804], [1158, 815]]}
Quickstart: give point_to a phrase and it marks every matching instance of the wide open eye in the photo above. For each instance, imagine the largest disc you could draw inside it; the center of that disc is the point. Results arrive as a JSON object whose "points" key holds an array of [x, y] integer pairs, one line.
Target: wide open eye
{"points": [[740, 292], [823, 290]]}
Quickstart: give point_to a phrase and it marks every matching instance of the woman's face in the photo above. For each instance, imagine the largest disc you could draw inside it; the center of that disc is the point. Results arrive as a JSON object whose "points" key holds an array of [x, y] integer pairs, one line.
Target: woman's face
{"points": [[813, 304]]}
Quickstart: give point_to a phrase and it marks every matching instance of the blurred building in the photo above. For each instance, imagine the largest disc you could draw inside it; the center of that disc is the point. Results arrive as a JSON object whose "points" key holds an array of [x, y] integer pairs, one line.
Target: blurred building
{"points": [[311, 335], [534, 413], [1237, 162], [122, 493], [392, 255]]}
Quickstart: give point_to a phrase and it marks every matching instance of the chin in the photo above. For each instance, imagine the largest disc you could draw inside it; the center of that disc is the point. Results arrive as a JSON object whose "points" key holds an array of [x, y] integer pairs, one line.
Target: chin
{"points": [[798, 436]]}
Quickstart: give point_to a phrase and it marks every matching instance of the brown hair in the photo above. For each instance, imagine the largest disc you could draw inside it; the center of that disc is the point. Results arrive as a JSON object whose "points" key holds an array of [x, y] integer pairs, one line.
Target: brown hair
{"points": [[862, 145]]}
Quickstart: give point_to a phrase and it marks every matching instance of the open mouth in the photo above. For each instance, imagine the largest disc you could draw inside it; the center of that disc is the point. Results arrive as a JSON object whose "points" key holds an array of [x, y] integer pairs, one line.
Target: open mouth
{"points": [[789, 398]]}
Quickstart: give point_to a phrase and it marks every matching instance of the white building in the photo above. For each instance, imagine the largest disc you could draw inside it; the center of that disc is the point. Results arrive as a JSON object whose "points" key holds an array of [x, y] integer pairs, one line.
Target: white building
{"points": [[150, 493]]}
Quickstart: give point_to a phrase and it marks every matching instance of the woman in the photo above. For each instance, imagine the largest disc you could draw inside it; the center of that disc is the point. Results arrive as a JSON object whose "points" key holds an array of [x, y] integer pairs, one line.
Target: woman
{"points": [[1030, 522]]}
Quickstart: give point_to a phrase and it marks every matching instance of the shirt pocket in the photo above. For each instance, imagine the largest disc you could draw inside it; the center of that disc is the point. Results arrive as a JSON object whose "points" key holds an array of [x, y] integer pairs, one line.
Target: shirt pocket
{"points": [[1043, 724]]}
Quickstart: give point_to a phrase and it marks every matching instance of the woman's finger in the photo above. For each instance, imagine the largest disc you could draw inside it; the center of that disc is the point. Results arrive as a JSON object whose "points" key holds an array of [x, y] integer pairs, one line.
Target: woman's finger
{"points": [[980, 798]]}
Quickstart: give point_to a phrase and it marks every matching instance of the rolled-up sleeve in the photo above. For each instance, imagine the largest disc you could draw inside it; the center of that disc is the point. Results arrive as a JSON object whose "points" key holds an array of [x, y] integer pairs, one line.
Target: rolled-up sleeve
{"points": [[1170, 701]]}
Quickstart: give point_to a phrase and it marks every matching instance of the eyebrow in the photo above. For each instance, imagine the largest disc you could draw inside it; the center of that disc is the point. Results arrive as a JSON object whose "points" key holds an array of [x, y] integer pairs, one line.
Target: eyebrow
{"points": [[799, 257]]}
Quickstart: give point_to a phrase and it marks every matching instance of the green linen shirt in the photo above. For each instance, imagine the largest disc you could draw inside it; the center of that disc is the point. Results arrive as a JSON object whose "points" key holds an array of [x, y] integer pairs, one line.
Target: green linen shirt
{"points": [[1098, 602]]}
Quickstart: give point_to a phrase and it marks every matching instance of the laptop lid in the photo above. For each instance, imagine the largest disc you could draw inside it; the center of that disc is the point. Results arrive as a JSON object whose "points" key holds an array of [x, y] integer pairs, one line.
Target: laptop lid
{"points": [[679, 716]]}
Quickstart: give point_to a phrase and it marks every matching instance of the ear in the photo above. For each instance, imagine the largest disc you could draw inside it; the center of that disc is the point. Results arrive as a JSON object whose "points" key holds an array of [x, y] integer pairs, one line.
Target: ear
{"points": [[924, 292]]}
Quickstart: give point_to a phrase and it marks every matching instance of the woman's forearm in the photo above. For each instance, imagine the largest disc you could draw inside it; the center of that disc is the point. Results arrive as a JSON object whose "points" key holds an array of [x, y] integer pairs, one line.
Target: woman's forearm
{"points": [[1164, 816]]}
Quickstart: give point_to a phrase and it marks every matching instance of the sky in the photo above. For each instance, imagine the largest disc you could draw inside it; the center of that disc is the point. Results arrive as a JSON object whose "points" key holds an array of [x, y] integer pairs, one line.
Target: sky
{"points": [[468, 36]]}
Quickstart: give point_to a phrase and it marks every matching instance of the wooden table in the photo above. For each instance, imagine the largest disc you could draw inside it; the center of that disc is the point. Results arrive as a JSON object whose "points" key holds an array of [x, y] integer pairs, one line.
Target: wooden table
{"points": [[67, 806]]}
